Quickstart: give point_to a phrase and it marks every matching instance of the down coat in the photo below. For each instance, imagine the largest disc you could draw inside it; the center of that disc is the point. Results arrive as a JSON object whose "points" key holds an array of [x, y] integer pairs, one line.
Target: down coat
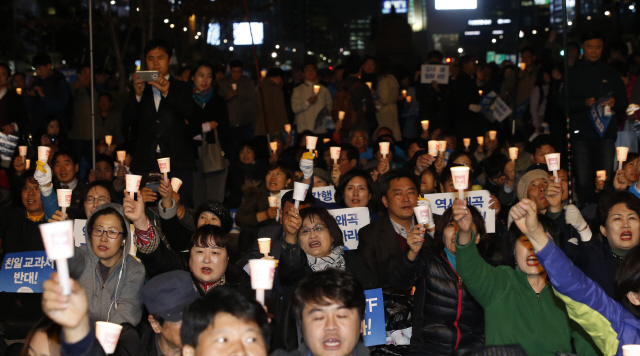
{"points": [[445, 315]]}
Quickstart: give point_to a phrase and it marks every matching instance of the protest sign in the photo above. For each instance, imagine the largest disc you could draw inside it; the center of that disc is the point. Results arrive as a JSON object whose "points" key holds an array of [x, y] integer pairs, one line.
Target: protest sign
{"points": [[598, 115], [437, 72], [350, 221], [79, 233], [374, 332], [478, 198], [325, 194], [24, 272]]}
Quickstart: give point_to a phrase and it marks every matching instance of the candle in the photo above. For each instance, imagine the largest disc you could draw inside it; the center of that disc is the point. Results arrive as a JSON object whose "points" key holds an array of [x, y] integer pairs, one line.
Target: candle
{"points": [[316, 89], [425, 125], [513, 153], [404, 93], [370, 85], [408, 99]]}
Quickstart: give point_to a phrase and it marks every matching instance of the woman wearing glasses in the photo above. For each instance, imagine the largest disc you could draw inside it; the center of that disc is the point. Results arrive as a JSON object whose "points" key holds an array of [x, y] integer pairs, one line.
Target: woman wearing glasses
{"points": [[93, 195], [112, 278], [313, 242]]}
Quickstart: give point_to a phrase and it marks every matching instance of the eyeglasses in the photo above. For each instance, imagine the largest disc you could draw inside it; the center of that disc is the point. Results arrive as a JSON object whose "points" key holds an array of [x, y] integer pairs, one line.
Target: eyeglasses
{"points": [[28, 188], [112, 234], [304, 232], [101, 199]]}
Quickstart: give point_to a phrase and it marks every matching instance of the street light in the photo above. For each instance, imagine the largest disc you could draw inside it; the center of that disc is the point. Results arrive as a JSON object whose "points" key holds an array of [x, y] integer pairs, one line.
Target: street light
{"points": [[493, 40], [231, 48], [534, 32], [166, 20], [274, 55], [184, 29], [277, 46], [607, 13], [460, 50]]}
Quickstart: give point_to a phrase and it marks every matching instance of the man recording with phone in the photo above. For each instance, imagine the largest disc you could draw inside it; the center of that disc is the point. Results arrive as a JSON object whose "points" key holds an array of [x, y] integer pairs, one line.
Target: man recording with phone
{"points": [[157, 111]]}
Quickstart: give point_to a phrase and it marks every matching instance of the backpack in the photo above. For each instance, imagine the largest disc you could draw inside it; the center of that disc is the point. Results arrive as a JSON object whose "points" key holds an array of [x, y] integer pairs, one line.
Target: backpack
{"points": [[342, 102]]}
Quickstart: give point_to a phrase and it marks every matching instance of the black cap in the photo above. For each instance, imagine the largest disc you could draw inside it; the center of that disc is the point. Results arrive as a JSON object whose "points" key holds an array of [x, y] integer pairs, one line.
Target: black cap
{"points": [[218, 209], [167, 295]]}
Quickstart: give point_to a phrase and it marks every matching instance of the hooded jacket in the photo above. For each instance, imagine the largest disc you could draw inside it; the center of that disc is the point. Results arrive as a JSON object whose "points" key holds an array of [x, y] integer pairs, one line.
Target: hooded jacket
{"points": [[607, 321], [118, 299]]}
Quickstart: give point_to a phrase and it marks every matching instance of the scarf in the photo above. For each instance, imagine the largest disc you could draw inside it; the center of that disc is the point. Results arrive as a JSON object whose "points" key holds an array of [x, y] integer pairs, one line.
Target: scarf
{"points": [[202, 96], [334, 260]]}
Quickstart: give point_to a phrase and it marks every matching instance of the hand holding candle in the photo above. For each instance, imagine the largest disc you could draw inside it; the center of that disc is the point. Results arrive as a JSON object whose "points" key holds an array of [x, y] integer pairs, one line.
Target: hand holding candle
{"points": [[22, 150], [622, 153], [165, 167], [601, 175], [341, 115], [460, 177], [58, 242]]}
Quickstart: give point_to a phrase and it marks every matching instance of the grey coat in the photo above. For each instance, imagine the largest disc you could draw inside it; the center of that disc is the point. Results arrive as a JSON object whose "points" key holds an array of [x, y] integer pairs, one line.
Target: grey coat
{"points": [[123, 305]]}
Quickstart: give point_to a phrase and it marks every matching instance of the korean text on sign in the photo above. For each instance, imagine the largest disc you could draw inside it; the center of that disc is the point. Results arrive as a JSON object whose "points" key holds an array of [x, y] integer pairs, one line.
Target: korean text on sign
{"points": [[350, 221], [325, 194], [437, 72], [374, 332], [478, 198], [24, 272]]}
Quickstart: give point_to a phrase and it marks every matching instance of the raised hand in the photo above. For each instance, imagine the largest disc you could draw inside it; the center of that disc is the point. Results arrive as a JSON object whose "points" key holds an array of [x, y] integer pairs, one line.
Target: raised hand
{"points": [[553, 194], [462, 215], [69, 311], [292, 223], [134, 211], [57, 216], [415, 240]]}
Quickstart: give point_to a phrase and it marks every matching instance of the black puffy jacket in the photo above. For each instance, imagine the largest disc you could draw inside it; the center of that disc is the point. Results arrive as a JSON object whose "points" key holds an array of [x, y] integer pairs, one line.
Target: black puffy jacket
{"points": [[445, 315]]}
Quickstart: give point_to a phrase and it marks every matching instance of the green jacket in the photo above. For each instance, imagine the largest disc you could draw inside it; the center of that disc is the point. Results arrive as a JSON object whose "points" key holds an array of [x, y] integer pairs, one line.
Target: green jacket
{"points": [[514, 314]]}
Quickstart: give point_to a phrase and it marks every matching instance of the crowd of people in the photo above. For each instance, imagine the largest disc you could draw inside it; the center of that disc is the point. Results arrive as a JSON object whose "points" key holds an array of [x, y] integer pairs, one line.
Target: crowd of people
{"points": [[558, 272]]}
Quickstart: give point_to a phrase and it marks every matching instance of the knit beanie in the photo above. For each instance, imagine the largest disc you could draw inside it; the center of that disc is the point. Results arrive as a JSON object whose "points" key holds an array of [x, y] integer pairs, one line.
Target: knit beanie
{"points": [[217, 209], [526, 179]]}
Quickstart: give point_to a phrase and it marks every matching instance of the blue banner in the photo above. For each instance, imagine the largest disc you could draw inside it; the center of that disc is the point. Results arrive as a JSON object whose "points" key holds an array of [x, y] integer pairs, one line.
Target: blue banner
{"points": [[599, 120], [24, 272], [374, 327]]}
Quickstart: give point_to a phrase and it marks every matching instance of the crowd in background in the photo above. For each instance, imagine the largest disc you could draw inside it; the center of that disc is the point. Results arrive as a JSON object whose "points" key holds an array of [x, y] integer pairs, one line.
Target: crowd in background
{"points": [[234, 143]]}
